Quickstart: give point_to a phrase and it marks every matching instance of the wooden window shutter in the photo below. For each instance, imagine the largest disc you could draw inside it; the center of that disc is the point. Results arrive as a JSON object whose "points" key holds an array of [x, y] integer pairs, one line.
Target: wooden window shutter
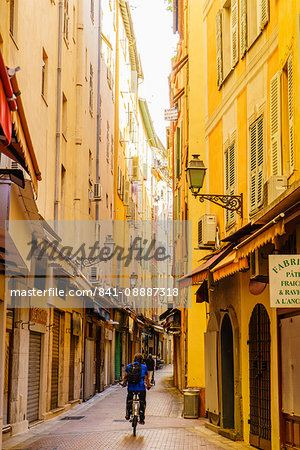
{"points": [[243, 28], [253, 166], [291, 111], [260, 160], [177, 153], [175, 16], [119, 180], [234, 33], [230, 179], [256, 164], [275, 125], [175, 215], [219, 48], [263, 13], [126, 193]]}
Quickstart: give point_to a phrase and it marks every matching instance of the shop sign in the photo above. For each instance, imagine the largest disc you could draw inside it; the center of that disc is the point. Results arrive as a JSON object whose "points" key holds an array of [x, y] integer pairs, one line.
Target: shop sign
{"points": [[171, 114], [76, 323], [38, 315], [284, 278]]}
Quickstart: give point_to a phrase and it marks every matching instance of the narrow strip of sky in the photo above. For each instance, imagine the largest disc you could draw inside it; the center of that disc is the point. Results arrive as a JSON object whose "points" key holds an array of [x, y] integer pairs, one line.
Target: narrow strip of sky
{"points": [[156, 45]]}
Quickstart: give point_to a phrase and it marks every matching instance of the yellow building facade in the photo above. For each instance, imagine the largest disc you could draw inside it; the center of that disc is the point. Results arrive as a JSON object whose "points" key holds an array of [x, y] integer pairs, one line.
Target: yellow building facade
{"points": [[243, 85]]}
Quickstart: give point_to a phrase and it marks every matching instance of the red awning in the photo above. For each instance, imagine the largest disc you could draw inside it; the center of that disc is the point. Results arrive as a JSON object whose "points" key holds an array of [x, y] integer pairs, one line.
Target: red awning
{"points": [[200, 274], [16, 142]]}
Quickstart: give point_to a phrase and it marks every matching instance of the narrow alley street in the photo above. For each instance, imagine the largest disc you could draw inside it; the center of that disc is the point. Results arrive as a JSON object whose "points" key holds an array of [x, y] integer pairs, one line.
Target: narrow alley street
{"points": [[100, 424]]}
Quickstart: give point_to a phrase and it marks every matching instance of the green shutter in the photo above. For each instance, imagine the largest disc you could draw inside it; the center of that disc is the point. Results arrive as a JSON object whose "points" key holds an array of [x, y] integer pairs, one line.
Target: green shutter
{"points": [[263, 13], [256, 164], [234, 32], [243, 28], [230, 179], [275, 124], [291, 111], [219, 48]]}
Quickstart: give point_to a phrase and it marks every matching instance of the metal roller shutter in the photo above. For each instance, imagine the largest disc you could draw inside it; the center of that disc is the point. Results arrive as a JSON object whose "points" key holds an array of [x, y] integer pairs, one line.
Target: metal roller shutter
{"points": [[55, 360], [34, 365], [72, 367]]}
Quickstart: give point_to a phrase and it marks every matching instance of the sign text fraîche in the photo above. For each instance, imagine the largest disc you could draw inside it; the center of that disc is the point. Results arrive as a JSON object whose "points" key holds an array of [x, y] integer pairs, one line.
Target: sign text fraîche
{"points": [[284, 276]]}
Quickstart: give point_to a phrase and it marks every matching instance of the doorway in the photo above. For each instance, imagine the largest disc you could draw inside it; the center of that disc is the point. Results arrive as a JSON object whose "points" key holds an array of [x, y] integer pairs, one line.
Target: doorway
{"points": [[259, 378], [227, 373]]}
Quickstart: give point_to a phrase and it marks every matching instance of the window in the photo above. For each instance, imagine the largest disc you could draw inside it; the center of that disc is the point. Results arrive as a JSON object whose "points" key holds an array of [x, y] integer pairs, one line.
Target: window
{"points": [[227, 38], [178, 153], [254, 17], [112, 154], [74, 24], [64, 116], [63, 191], [91, 100], [256, 164], [275, 124], [90, 168], [92, 10], [282, 119], [86, 65], [44, 73], [230, 179], [288, 101], [12, 12], [66, 20]]}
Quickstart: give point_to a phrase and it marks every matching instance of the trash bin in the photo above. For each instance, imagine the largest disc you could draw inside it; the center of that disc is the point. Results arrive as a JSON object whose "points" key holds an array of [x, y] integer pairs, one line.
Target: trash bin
{"points": [[191, 403]]}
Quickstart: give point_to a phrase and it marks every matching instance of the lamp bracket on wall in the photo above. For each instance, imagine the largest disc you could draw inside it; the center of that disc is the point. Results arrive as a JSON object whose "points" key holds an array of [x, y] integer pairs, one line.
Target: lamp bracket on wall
{"points": [[229, 202]]}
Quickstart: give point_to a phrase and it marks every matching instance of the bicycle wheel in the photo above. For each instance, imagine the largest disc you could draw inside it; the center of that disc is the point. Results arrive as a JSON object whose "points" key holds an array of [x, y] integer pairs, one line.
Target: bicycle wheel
{"points": [[134, 424]]}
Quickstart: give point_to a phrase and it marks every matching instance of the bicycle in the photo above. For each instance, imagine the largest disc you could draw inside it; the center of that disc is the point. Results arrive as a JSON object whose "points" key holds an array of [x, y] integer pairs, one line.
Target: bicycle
{"points": [[135, 416], [135, 411]]}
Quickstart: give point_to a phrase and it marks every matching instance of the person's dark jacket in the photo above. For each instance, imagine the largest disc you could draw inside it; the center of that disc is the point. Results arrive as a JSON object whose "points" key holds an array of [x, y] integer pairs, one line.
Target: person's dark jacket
{"points": [[150, 363]]}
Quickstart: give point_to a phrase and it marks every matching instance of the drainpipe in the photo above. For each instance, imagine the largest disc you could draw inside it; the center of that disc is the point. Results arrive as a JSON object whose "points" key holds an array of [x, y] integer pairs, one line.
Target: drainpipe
{"points": [[98, 107], [58, 112]]}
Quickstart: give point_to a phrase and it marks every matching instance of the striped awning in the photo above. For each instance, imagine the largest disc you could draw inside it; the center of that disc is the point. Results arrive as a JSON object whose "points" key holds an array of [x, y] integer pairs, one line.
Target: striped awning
{"points": [[229, 265], [260, 238]]}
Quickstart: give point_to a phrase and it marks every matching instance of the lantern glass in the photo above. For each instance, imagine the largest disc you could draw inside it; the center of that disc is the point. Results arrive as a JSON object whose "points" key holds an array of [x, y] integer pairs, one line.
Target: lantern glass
{"points": [[195, 173]]}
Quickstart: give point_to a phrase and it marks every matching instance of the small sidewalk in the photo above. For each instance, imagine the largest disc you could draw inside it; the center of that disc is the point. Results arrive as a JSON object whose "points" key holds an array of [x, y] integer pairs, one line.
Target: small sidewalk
{"points": [[100, 424]]}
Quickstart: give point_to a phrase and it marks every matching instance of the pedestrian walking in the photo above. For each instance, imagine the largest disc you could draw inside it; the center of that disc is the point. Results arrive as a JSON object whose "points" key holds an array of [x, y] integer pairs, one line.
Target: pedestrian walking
{"points": [[150, 367]]}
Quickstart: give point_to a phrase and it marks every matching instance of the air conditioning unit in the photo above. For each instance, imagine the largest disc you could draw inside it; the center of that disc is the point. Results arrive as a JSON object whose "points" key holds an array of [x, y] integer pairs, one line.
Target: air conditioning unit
{"points": [[97, 192], [207, 227], [274, 187], [258, 263]]}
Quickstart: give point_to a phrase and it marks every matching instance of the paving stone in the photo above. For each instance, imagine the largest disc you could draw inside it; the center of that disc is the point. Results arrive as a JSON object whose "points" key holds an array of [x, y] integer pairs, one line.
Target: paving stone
{"points": [[103, 426]]}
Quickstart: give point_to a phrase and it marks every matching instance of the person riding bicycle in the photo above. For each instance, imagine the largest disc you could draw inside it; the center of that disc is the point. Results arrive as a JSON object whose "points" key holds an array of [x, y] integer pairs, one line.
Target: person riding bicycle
{"points": [[136, 375]]}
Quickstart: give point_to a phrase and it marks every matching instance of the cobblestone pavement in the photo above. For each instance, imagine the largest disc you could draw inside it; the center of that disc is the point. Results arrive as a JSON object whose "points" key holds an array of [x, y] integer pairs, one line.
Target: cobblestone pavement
{"points": [[102, 425]]}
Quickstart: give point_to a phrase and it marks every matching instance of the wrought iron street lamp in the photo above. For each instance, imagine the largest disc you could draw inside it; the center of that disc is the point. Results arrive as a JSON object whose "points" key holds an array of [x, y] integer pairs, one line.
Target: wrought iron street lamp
{"points": [[195, 173]]}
